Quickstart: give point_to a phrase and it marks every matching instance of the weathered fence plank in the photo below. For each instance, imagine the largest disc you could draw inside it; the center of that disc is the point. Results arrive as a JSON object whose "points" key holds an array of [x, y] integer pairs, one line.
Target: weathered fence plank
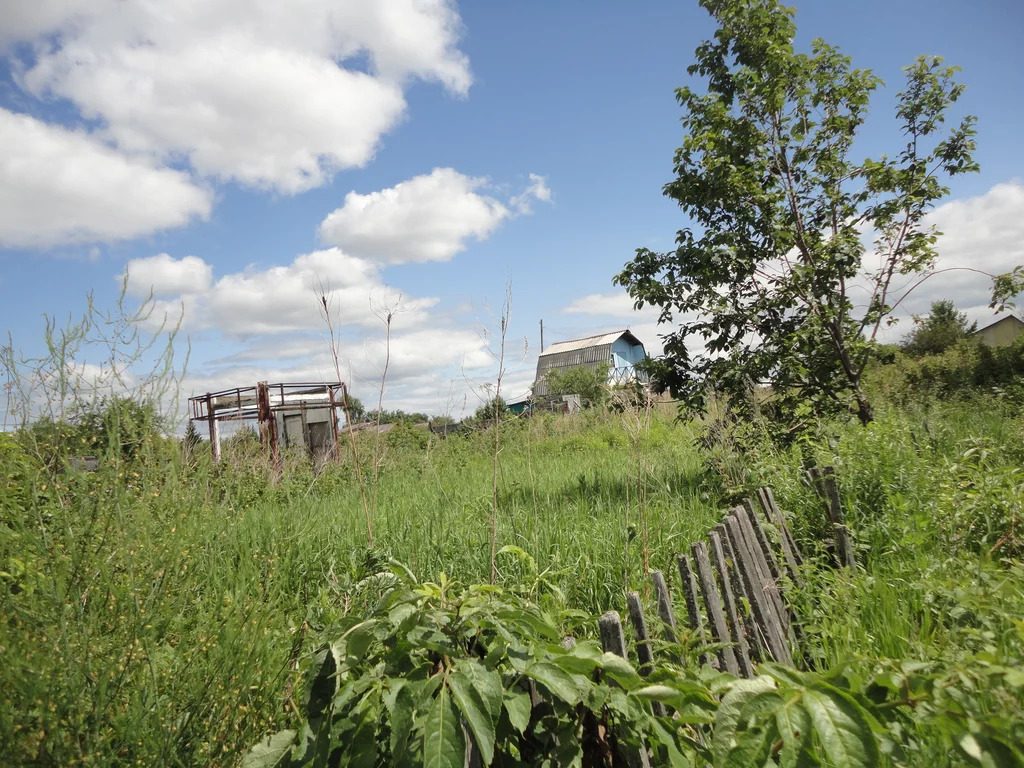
{"points": [[739, 631], [613, 640], [693, 615], [760, 603], [790, 551], [665, 610], [768, 575], [739, 591], [713, 608], [644, 653], [823, 480]]}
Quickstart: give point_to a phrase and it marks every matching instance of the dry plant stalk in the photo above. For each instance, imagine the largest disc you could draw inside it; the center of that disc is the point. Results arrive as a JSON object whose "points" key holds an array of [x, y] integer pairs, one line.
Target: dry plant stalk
{"points": [[325, 302]]}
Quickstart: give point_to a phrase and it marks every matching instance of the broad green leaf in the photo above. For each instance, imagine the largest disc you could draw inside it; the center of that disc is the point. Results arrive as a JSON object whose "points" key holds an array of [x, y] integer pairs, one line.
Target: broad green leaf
{"points": [[517, 705], [477, 692], [559, 682], [663, 693], [794, 726], [361, 746], [842, 727], [324, 682], [271, 752], [667, 739], [620, 670], [728, 716], [394, 685], [401, 722], [443, 743]]}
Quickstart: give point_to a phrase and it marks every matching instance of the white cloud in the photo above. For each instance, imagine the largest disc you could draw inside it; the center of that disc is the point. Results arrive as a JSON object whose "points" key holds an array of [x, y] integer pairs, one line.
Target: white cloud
{"points": [[60, 186], [981, 234], [427, 218], [277, 299], [617, 304], [270, 94], [163, 275], [537, 190]]}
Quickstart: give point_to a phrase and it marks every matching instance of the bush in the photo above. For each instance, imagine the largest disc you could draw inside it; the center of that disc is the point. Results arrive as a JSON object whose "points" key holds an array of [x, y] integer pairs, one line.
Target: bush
{"points": [[591, 384]]}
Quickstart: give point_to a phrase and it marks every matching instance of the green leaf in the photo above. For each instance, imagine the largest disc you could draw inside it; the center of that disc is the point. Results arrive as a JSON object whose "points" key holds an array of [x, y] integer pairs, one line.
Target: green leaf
{"points": [[558, 682], [324, 683], [794, 726], [271, 752], [401, 722], [443, 743], [728, 716], [477, 692], [656, 693], [842, 727], [517, 705], [667, 739], [620, 670]]}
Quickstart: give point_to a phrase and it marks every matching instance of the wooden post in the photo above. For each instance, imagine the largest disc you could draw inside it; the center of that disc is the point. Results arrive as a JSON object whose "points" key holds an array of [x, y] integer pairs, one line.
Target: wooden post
{"points": [[843, 541], [665, 611], [824, 482], [739, 592], [760, 604], [643, 642], [716, 619], [689, 582], [305, 428], [768, 575], [612, 638], [614, 641], [214, 430], [732, 613], [268, 426], [789, 548], [334, 418]]}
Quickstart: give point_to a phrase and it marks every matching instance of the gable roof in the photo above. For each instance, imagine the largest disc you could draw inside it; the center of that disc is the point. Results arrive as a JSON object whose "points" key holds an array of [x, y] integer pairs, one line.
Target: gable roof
{"points": [[994, 323], [591, 341]]}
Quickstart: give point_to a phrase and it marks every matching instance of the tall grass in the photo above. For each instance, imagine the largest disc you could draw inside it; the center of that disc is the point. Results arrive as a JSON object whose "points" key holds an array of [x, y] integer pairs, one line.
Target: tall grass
{"points": [[158, 612]]}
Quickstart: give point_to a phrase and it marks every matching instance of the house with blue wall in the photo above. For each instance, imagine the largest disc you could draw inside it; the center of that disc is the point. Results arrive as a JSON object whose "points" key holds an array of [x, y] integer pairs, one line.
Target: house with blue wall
{"points": [[619, 351]]}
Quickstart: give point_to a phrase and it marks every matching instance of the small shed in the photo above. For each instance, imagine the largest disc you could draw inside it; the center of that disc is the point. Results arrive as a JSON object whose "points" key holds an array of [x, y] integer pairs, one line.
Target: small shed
{"points": [[303, 414], [1003, 331], [620, 351]]}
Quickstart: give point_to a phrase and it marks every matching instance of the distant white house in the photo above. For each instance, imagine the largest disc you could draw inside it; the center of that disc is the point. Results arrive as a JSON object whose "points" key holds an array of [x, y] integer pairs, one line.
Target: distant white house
{"points": [[620, 351], [1003, 331]]}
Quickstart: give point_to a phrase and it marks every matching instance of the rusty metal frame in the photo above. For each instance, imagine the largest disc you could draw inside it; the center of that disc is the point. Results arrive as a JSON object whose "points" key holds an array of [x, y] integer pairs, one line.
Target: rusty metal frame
{"points": [[258, 403]]}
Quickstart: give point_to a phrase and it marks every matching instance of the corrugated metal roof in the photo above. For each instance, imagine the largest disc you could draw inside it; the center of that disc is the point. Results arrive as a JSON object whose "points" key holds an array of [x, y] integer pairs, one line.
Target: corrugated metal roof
{"points": [[590, 341]]}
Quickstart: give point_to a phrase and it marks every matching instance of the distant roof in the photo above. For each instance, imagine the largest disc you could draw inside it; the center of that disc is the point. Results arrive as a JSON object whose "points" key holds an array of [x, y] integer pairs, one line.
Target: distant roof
{"points": [[1002, 319], [590, 341]]}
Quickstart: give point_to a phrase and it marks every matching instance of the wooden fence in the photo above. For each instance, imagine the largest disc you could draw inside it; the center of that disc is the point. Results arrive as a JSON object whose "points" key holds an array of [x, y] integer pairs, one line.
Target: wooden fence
{"points": [[733, 586]]}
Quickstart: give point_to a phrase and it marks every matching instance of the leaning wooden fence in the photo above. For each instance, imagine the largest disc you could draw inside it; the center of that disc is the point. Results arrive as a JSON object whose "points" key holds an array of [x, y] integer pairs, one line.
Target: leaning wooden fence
{"points": [[733, 586]]}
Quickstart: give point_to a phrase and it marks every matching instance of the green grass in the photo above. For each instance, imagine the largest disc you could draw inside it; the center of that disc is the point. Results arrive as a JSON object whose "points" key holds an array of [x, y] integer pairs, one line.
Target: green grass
{"points": [[153, 613]]}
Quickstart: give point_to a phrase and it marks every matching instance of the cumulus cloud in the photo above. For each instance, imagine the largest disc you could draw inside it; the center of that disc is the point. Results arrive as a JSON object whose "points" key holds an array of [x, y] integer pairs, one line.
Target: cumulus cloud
{"points": [[981, 235], [537, 190], [268, 94], [276, 299], [61, 186], [617, 304], [163, 275], [426, 218]]}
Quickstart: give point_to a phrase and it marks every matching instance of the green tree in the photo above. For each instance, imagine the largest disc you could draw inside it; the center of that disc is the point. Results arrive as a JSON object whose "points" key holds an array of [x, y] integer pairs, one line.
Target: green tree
{"points": [[939, 330], [591, 384], [355, 409], [770, 276], [491, 408], [118, 425]]}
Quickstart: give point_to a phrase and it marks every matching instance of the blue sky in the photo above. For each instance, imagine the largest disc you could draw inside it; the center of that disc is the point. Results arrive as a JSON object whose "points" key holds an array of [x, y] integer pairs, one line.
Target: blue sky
{"points": [[232, 154]]}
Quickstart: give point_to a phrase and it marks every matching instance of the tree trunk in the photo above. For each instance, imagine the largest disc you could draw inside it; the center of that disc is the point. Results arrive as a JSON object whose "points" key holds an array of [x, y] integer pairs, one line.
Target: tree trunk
{"points": [[864, 411]]}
